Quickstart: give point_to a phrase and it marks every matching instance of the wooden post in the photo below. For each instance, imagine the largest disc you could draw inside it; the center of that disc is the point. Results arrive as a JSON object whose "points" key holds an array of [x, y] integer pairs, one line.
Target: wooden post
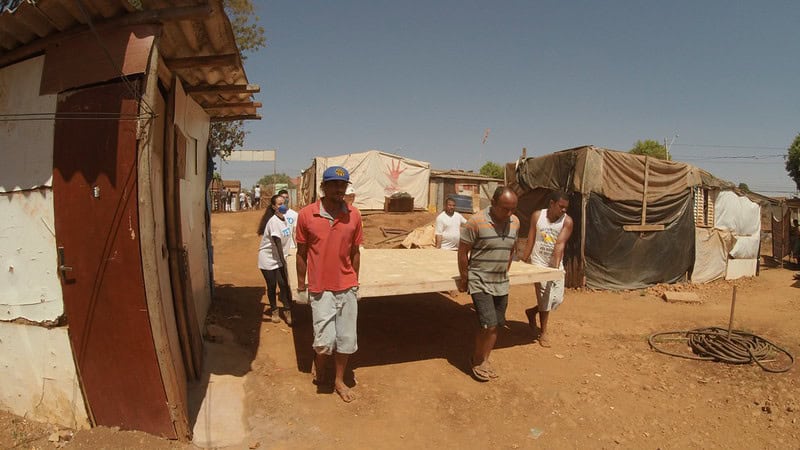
{"points": [[733, 305], [644, 195], [524, 152], [584, 221]]}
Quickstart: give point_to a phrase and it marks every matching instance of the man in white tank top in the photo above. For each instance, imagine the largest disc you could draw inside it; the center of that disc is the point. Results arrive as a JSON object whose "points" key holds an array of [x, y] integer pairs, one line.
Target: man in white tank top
{"points": [[549, 232]]}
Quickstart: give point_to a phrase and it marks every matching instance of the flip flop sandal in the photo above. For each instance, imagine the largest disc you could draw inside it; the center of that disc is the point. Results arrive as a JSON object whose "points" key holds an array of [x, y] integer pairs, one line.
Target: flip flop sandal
{"points": [[479, 372], [489, 370]]}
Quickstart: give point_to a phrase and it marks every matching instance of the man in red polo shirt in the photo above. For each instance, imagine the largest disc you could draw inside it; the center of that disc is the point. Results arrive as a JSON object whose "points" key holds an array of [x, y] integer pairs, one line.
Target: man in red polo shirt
{"points": [[328, 236]]}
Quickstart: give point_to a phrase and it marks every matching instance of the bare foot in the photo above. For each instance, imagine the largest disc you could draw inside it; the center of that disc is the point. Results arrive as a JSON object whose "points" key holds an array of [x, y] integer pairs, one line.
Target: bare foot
{"points": [[319, 377], [531, 314], [344, 392], [544, 340]]}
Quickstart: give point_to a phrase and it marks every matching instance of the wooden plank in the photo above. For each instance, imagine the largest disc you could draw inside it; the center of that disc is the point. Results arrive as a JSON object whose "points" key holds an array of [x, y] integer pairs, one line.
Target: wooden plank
{"points": [[223, 88], [584, 222], [387, 272], [228, 59], [681, 297], [393, 231], [643, 227], [232, 105], [644, 194], [155, 266], [164, 74], [238, 117]]}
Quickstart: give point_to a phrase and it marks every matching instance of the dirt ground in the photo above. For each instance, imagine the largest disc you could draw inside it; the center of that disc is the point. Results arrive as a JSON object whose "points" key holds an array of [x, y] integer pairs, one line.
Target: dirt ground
{"points": [[599, 386]]}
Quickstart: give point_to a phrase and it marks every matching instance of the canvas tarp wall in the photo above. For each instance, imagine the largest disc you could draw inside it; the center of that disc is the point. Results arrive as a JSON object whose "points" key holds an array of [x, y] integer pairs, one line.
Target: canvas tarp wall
{"points": [[612, 187], [711, 254], [615, 175], [619, 259], [375, 175]]}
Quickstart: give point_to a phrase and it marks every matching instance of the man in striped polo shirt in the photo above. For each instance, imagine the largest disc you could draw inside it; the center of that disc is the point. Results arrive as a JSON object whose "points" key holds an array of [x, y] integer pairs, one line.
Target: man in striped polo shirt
{"points": [[484, 257]]}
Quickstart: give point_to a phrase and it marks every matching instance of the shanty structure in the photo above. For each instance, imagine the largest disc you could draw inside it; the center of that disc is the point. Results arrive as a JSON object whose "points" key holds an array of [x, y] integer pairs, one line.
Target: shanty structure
{"points": [[375, 175], [229, 188], [729, 245], [105, 108], [636, 218], [783, 216], [449, 183], [777, 218]]}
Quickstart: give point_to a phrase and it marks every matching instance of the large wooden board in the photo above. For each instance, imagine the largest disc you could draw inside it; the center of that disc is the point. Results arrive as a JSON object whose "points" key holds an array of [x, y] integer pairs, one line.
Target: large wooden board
{"points": [[399, 272]]}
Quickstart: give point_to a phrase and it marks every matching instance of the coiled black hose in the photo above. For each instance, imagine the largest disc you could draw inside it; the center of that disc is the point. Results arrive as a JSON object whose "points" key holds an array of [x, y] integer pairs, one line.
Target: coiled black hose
{"points": [[713, 344]]}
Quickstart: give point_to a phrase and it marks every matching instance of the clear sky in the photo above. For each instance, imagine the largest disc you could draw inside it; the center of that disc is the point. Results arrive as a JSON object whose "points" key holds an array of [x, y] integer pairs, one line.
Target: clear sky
{"points": [[424, 79]]}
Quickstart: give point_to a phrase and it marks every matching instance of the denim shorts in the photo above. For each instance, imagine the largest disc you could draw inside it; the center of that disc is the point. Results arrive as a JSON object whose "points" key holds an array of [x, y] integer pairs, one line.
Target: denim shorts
{"points": [[491, 309], [334, 316]]}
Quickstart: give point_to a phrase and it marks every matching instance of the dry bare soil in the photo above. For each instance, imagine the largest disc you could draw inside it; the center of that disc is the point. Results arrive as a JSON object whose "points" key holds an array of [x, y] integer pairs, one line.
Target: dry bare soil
{"points": [[599, 386]]}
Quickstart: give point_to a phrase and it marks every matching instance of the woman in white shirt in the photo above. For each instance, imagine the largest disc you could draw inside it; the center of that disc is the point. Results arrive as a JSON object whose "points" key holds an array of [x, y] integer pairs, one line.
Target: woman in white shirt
{"points": [[275, 234]]}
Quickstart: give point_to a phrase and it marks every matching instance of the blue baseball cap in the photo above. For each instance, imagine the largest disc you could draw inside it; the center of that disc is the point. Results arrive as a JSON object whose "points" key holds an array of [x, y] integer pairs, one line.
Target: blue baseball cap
{"points": [[335, 173]]}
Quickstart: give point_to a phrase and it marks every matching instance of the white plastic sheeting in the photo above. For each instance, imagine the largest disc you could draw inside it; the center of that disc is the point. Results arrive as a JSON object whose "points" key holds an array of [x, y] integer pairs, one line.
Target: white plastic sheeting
{"points": [[743, 218], [376, 175], [735, 238]]}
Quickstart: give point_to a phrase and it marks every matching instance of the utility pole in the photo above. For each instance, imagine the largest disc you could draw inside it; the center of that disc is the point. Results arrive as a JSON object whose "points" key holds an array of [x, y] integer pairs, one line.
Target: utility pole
{"points": [[668, 146]]}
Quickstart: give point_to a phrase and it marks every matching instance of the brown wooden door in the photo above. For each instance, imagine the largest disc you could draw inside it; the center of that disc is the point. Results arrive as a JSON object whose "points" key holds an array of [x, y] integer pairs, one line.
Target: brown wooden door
{"points": [[96, 219]]}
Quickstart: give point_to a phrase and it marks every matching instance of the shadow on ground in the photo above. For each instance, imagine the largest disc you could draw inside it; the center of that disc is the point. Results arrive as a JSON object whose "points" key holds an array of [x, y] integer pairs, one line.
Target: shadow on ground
{"points": [[400, 329], [233, 327]]}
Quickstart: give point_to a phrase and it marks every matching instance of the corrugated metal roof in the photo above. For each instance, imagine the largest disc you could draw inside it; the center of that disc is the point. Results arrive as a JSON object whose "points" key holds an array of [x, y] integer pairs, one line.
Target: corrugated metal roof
{"points": [[196, 43]]}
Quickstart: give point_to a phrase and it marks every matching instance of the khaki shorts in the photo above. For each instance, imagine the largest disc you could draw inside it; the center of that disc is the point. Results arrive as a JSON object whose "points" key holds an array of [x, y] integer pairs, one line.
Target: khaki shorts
{"points": [[549, 294], [334, 316]]}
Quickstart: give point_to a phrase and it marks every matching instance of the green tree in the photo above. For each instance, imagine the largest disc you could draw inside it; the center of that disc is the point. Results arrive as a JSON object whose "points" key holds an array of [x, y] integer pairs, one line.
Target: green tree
{"points": [[649, 147], [278, 178], [226, 136], [793, 161], [249, 34], [492, 169], [744, 187]]}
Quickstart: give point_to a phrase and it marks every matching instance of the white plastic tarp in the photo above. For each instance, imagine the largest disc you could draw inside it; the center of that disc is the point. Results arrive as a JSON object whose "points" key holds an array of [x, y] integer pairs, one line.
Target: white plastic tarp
{"points": [[711, 254], [743, 218], [376, 175]]}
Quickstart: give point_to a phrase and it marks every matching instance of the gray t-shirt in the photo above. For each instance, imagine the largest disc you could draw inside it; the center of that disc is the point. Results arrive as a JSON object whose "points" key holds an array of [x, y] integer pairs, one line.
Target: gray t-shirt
{"points": [[491, 246]]}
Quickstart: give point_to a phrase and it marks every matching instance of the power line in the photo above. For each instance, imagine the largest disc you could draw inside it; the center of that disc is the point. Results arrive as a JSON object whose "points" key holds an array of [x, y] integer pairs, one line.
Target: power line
{"points": [[759, 190], [747, 147], [723, 157]]}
